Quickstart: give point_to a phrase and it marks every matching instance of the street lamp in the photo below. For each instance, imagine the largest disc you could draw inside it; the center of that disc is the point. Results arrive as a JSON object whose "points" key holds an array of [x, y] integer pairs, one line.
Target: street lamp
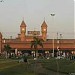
{"points": [[53, 34], [53, 14], [59, 45]]}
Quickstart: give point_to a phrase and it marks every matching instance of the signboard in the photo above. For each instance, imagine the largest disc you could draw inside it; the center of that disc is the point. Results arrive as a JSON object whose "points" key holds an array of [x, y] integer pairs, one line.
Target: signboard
{"points": [[34, 32]]}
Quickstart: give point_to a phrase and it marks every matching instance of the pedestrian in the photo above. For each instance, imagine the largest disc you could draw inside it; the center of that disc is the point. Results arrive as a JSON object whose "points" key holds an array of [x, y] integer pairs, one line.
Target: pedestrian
{"points": [[25, 59]]}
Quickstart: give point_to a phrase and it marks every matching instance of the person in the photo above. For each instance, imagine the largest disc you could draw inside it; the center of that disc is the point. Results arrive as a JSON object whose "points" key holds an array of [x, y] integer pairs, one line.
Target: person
{"points": [[25, 58]]}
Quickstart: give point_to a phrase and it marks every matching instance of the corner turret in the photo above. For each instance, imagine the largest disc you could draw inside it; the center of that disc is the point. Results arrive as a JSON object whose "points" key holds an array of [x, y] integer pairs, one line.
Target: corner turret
{"points": [[44, 30], [23, 31]]}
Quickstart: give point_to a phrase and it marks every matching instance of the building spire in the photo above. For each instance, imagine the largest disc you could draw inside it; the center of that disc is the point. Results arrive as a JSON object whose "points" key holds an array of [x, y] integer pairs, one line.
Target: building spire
{"points": [[23, 18], [57, 35], [23, 23], [44, 18], [44, 23]]}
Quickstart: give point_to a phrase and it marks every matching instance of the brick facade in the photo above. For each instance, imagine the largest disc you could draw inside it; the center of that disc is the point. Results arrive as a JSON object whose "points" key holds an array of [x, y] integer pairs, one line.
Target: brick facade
{"points": [[22, 42]]}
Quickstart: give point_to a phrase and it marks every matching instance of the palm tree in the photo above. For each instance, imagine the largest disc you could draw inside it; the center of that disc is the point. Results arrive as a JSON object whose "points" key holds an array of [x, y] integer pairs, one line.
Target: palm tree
{"points": [[7, 49], [34, 44]]}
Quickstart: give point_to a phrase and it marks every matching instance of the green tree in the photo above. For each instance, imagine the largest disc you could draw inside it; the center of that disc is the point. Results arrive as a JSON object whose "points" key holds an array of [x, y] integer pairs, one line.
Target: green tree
{"points": [[7, 49], [34, 44]]}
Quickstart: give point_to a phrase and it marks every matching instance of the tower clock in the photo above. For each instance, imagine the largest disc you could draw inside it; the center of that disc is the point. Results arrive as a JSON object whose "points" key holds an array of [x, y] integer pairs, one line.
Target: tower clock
{"points": [[23, 31], [44, 30]]}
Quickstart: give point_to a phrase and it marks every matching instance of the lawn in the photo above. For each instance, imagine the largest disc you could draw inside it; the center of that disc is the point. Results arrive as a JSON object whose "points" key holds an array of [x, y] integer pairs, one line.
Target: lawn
{"points": [[60, 65], [11, 67], [39, 67]]}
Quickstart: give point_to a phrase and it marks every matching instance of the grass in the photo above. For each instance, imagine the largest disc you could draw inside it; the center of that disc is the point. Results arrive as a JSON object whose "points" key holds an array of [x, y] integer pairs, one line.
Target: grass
{"points": [[39, 67], [21, 69], [62, 65], [10, 67], [7, 64]]}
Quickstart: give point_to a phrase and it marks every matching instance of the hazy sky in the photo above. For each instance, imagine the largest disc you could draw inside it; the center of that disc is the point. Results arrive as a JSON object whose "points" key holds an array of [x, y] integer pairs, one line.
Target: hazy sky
{"points": [[34, 11]]}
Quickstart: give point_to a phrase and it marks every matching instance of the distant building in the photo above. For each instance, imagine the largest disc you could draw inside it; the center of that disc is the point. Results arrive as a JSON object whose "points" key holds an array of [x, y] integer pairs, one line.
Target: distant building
{"points": [[21, 44]]}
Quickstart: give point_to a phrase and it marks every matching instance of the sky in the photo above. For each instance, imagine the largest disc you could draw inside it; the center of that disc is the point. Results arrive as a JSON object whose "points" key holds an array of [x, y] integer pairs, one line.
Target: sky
{"points": [[74, 18], [34, 12]]}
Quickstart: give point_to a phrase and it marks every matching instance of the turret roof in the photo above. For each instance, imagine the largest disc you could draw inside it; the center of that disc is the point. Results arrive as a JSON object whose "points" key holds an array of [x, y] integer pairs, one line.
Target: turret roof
{"points": [[44, 24], [23, 23]]}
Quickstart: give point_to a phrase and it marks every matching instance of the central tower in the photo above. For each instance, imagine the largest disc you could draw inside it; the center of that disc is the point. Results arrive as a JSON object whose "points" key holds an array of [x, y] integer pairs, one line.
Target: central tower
{"points": [[23, 31]]}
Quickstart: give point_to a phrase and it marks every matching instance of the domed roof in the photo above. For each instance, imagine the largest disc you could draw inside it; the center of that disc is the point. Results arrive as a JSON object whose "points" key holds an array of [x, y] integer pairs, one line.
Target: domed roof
{"points": [[44, 24], [23, 24]]}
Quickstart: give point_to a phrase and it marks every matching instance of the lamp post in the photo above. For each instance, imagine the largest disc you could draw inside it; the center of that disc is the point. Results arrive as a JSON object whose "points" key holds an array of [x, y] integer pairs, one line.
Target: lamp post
{"points": [[57, 45], [60, 44], [53, 34]]}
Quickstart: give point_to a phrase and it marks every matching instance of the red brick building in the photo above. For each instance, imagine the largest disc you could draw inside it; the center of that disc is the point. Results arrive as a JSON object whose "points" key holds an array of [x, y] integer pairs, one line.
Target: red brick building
{"points": [[22, 42]]}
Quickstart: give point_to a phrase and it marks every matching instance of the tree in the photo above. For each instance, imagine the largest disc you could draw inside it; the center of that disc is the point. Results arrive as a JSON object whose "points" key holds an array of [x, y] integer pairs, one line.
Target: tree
{"points": [[7, 48], [34, 44]]}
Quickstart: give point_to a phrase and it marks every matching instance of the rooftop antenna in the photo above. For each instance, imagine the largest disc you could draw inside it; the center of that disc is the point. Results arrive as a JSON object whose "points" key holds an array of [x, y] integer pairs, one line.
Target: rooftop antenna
{"points": [[60, 36], [57, 35]]}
